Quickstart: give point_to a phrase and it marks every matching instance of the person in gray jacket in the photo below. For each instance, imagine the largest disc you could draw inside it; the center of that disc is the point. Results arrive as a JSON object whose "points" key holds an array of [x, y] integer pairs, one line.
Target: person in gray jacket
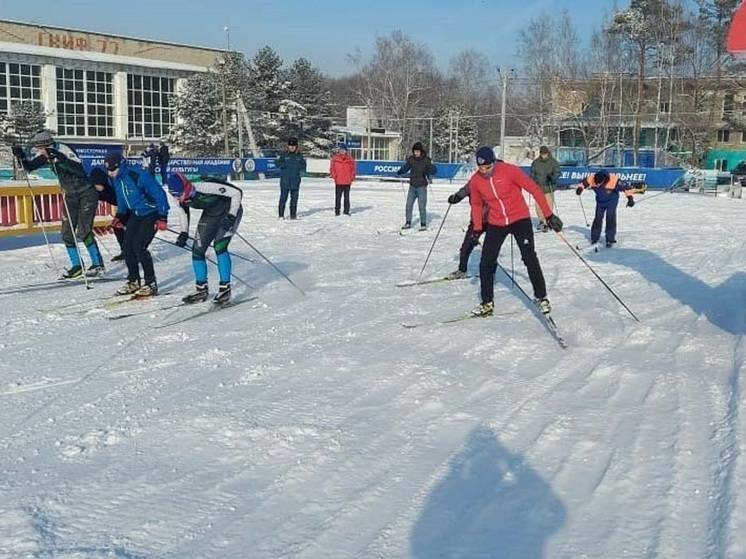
{"points": [[546, 172], [420, 168], [292, 165]]}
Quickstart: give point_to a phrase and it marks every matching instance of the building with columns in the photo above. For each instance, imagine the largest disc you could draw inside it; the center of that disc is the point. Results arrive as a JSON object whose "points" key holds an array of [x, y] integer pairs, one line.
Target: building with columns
{"points": [[97, 88]]}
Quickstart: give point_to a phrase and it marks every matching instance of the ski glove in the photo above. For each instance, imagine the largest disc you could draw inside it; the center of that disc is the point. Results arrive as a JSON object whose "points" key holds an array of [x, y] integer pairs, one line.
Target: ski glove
{"points": [[579, 190], [117, 222], [630, 202], [475, 236], [161, 224], [182, 239], [554, 223], [454, 199], [227, 223], [18, 152]]}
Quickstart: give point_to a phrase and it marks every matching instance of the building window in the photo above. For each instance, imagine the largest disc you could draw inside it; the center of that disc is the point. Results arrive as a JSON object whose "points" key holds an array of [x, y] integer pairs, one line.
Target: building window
{"points": [[19, 82], [721, 164], [609, 107], [728, 103], [150, 110], [85, 103], [665, 107], [743, 137], [378, 149], [724, 135]]}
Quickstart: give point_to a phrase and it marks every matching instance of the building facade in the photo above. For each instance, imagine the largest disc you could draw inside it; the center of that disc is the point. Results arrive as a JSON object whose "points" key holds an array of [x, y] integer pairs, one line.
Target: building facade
{"points": [[96, 88], [365, 136]]}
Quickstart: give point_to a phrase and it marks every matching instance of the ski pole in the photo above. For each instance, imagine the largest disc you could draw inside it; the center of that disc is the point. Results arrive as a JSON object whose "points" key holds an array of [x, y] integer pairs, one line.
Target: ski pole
{"points": [[210, 260], [512, 267], [666, 191], [583, 208], [561, 235], [269, 262], [37, 214], [435, 240], [239, 256]]}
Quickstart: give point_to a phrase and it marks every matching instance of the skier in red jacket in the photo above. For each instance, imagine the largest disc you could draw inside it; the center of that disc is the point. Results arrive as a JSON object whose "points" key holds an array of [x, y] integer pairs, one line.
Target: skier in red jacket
{"points": [[342, 171], [499, 186]]}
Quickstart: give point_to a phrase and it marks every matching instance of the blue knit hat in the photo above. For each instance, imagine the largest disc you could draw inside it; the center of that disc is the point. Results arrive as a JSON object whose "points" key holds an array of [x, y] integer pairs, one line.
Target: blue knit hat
{"points": [[485, 156]]}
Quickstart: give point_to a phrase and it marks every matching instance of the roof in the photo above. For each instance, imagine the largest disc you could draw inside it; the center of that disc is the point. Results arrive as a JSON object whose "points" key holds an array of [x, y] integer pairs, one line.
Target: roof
{"points": [[45, 26], [105, 58]]}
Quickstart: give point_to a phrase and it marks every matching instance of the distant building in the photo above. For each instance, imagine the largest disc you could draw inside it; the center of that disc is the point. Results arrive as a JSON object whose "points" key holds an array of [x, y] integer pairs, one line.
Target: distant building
{"points": [[98, 88], [366, 137]]}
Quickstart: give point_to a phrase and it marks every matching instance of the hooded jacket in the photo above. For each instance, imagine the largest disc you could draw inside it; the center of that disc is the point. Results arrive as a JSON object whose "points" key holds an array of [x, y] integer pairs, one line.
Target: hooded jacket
{"points": [[342, 168], [421, 169], [138, 192], [502, 192]]}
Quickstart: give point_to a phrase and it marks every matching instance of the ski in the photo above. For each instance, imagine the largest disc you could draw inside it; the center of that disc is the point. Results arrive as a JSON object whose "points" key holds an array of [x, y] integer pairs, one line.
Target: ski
{"points": [[460, 318], [553, 330], [429, 281], [55, 284], [117, 300], [212, 308]]}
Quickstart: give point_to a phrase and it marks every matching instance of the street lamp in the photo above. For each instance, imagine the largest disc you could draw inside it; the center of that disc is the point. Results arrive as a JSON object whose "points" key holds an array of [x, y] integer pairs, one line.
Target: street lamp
{"points": [[221, 64]]}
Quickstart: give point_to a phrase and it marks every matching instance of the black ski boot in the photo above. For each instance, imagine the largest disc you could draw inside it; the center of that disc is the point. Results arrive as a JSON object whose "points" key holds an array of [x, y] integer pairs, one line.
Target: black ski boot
{"points": [[199, 295], [223, 295], [118, 258], [72, 273]]}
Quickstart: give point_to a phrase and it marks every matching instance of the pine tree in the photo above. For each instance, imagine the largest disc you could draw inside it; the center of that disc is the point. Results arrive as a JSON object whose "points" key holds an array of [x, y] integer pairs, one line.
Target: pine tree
{"points": [[198, 108], [453, 134], [309, 102], [24, 119], [264, 90]]}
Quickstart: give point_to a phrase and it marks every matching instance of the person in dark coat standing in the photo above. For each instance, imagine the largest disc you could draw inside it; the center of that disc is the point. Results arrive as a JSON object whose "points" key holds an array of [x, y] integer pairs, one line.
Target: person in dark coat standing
{"points": [[163, 158], [150, 158], [292, 165], [546, 172], [420, 168]]}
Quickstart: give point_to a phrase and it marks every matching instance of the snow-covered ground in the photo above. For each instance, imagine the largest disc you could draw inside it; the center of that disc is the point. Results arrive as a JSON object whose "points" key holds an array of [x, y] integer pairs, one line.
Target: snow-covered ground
{"points": [[319, 427]]}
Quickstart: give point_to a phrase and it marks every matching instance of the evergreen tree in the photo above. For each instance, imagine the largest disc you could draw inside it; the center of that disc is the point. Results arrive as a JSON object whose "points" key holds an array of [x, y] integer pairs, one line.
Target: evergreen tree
{"points": [[453, 134], [24, 119], [198, 110], [309, 103], [264, 90]]}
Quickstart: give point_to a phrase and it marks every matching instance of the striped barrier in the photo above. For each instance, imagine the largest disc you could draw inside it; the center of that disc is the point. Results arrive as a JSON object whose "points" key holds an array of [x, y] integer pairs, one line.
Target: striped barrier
{"points": [[18, 217]]}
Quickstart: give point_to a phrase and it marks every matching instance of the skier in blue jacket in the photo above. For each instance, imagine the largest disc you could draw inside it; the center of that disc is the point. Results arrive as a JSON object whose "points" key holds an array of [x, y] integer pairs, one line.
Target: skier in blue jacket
{"points": [[144, 204]]}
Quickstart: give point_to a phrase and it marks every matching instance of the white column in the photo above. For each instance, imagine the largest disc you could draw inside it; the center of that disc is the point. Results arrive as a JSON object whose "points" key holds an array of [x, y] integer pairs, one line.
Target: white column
{"points": [[121, 109], [49, 94]]}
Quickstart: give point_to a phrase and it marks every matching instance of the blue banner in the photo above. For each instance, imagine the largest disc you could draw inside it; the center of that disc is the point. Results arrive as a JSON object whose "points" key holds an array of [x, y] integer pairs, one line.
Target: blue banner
{"points": [[389, 169], [654, 178]]}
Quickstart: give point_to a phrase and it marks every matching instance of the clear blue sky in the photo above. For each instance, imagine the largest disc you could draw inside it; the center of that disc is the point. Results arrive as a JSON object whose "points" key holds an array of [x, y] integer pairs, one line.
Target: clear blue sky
{"points": [[324, 31]]}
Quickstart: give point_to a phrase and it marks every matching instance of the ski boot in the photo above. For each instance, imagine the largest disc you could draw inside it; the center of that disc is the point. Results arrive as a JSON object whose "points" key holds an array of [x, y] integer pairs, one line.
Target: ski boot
{"points": [[199, 295], [407, 225], [485, 309], [610, 244], [118, 258], [543, 305], [423, 227], [457, 275], [72, 273], [129, 288], [223, 295], [95, 271], [147, 290]]}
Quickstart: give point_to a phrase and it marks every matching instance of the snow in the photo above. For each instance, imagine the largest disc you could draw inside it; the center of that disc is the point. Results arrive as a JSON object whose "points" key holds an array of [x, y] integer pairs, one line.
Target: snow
{"points": [[317, 426]]}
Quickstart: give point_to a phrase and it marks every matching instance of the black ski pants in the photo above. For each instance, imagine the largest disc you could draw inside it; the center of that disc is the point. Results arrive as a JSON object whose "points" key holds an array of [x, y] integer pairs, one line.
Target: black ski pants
{"points": [[137, 237], [523, 233], [284, 193], [339, 191], [467, 247]]}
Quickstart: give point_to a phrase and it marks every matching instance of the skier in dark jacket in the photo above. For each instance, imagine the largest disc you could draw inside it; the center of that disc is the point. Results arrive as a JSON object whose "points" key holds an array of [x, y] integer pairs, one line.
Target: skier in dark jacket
{"points": [[420, 168], [163, 158], [470, 240], [150, 158], [143, 203], [546, 172], [220, 203], [607, 188], [80, 199], [292, 165], [106, 193]]}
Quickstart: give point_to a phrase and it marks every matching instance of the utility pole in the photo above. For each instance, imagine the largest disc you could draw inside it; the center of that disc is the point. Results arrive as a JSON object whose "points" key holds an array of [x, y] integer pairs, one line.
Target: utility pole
{"points": [[221, 63], [431, 137], [503, 108]]}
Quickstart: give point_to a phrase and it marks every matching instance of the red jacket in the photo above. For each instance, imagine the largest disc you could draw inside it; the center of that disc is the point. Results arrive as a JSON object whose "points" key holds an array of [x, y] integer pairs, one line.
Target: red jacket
{"points": [[502, 193], [342, 169]]}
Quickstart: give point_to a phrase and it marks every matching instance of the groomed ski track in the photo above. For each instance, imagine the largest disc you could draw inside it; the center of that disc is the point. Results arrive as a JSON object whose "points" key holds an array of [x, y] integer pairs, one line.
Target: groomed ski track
{"points": [[318, 427]]}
